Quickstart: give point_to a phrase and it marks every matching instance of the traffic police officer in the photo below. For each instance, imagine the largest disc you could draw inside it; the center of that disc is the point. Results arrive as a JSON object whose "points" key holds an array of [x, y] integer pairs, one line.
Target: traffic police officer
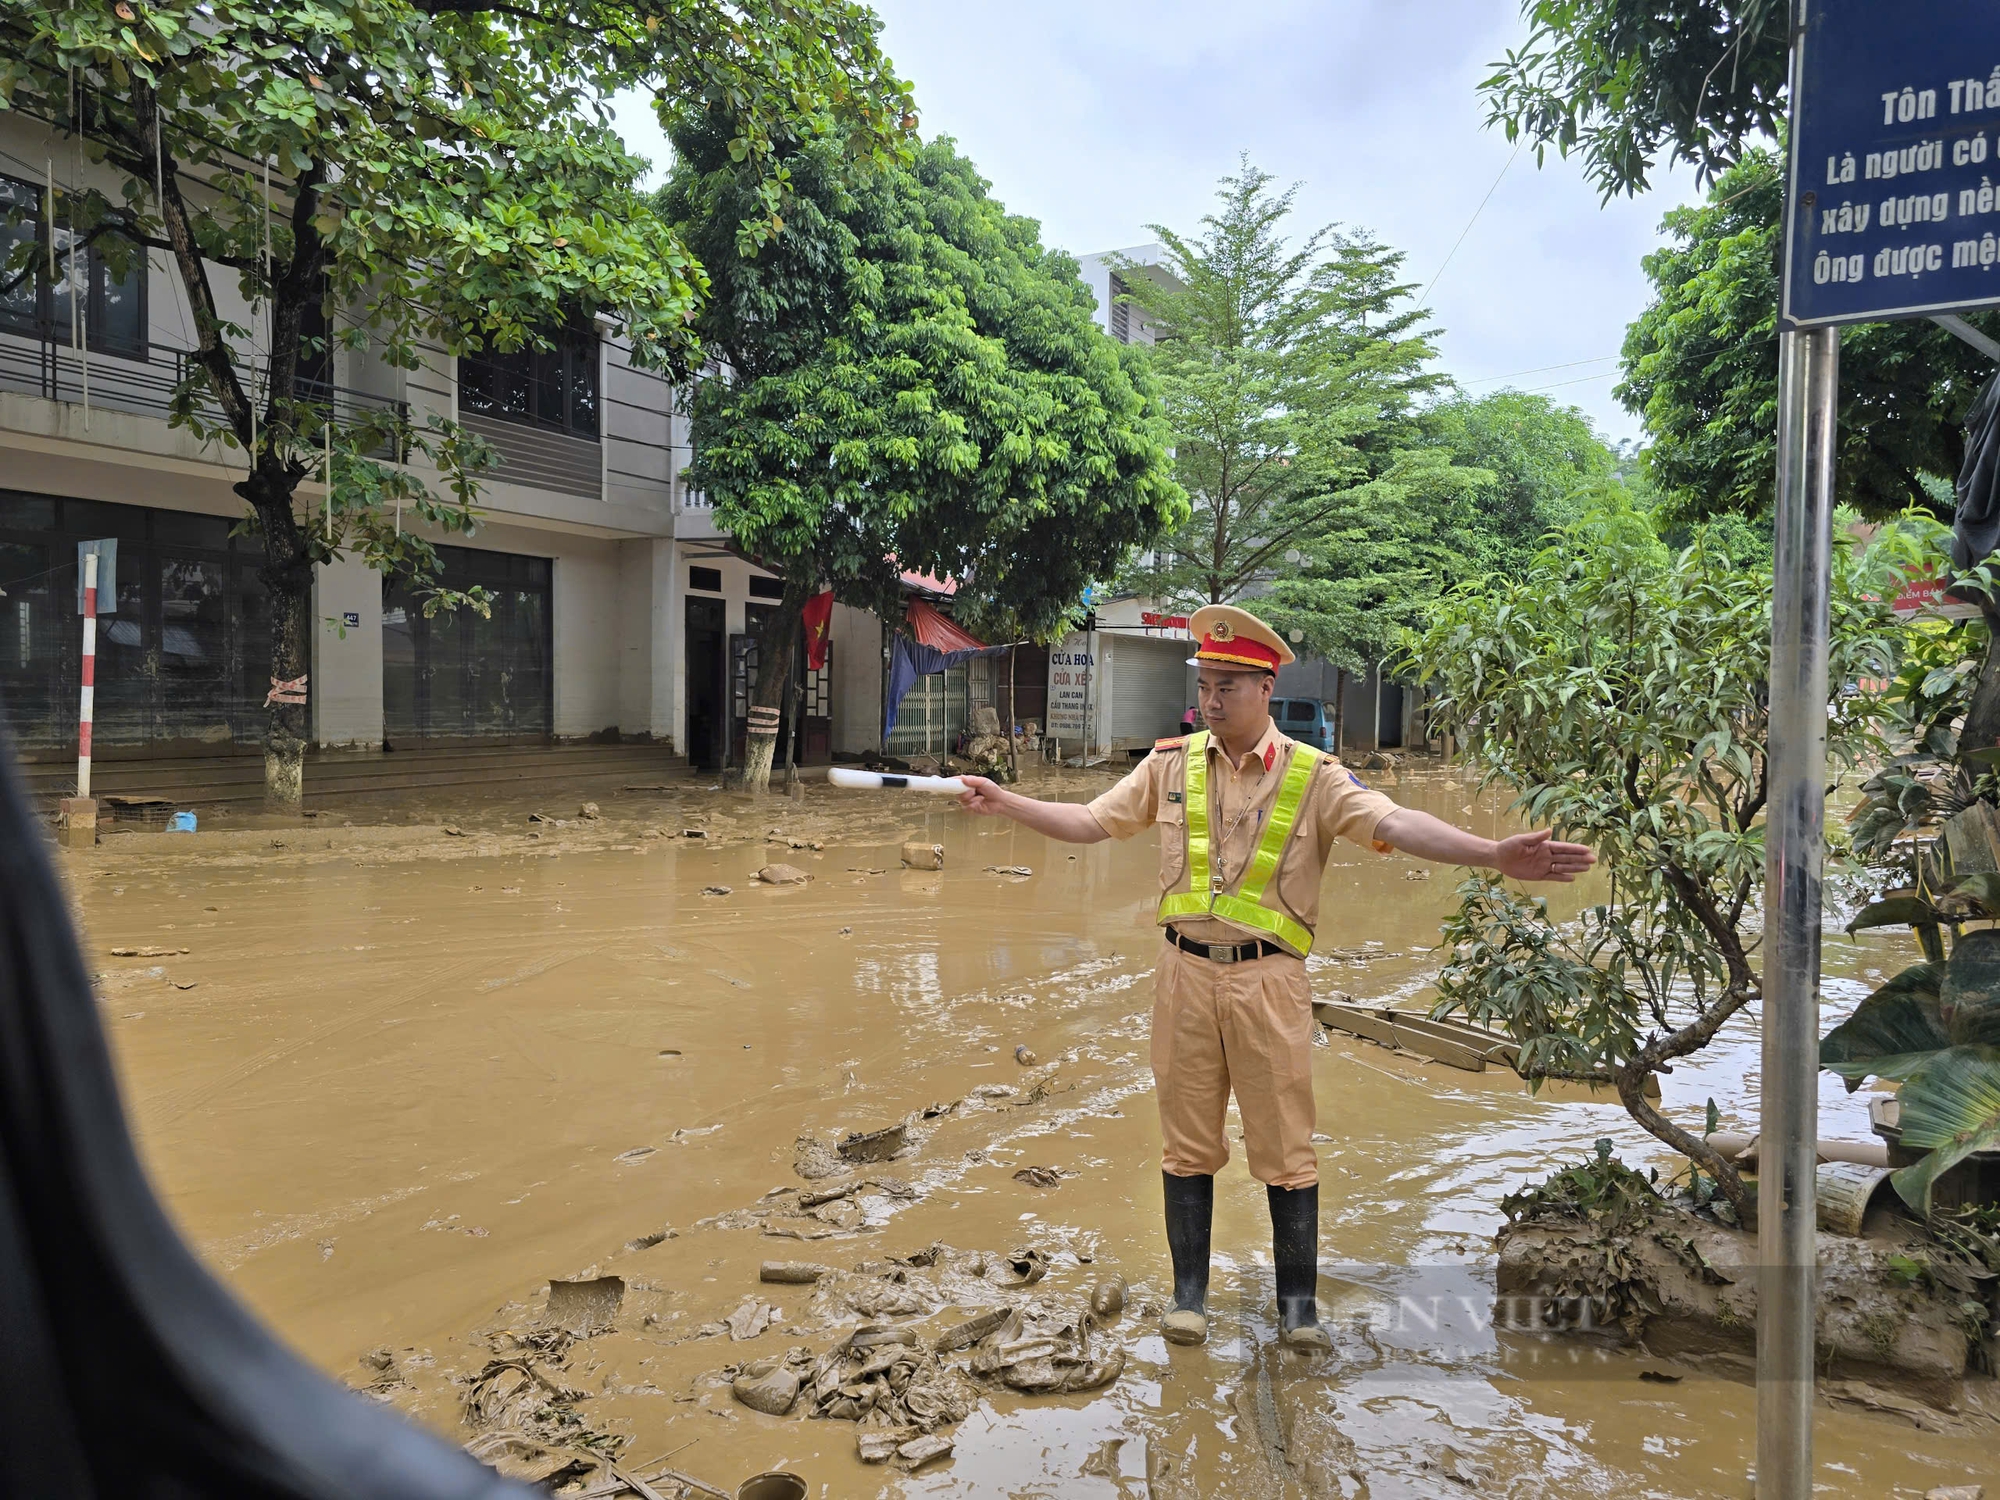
{"points": [[1247, 818]]}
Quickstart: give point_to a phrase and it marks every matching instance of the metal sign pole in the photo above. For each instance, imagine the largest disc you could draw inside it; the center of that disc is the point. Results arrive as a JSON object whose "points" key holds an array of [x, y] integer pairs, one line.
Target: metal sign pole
{"points": [[1808, 390]]}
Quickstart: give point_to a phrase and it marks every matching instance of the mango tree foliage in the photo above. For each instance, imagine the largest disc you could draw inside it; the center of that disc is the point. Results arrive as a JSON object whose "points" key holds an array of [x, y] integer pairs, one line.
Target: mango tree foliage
{"points": [[1290, 372], [1623, 82], [1618, 688], [906, 379], [418, 171], [1479, 489], [1701, 369]]}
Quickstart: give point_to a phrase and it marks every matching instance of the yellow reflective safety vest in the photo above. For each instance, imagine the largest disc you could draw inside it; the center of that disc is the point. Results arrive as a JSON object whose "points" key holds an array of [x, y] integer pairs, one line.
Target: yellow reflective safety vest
{"points": [[1200, 892]]}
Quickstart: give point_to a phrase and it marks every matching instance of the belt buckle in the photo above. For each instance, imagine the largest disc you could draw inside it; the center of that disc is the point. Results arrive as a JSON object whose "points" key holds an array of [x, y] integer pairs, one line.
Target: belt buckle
{"points": [[1222, 953]]}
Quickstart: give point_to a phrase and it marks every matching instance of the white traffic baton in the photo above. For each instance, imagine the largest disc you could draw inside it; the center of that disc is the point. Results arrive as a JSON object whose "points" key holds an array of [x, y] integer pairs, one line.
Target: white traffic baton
{"points": [[889, 781]]}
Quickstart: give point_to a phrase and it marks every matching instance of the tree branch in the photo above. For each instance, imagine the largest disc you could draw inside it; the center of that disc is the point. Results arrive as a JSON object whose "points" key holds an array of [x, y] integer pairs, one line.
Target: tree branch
{"points": [[211, 352]]}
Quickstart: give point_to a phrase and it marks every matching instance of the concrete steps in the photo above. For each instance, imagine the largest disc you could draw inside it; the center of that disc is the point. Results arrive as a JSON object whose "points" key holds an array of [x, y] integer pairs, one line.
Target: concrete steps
{"points": [[194, 781]]}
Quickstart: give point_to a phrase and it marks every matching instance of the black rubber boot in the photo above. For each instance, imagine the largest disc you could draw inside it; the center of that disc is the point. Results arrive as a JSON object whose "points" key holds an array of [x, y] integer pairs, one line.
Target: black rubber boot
{"points": [[1190, 1212], [1295, 1248]]}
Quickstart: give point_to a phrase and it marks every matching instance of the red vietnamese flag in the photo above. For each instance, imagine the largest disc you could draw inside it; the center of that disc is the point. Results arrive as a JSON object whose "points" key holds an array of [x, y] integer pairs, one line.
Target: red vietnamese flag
{"points": [[818, 621]]}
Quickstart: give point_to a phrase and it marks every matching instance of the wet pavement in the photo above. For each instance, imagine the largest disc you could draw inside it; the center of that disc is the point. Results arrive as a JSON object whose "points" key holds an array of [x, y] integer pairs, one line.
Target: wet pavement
{"points": [[404, 1076]]}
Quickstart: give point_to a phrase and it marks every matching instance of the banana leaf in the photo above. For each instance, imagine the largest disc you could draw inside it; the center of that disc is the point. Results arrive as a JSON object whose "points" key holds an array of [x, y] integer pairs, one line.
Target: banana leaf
{"points": [[1950, 1108], [1970, 994], [1901, 1019], [1897, 911], [1889, 1067], [1981, 889]]}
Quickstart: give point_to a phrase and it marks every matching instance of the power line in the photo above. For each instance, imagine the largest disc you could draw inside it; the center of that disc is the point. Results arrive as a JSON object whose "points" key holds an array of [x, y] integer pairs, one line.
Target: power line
{"points": [[1580, 380], [1470, 222], [1538, 370]]}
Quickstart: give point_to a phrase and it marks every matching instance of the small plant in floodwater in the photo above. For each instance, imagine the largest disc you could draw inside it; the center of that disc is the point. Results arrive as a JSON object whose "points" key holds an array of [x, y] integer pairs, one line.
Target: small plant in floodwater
{"points": [[1621, 690]]}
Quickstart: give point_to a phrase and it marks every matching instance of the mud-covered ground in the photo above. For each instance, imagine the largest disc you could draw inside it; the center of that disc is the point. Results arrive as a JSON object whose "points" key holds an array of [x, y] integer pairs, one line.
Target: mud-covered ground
{"points": [[420, 1059]]}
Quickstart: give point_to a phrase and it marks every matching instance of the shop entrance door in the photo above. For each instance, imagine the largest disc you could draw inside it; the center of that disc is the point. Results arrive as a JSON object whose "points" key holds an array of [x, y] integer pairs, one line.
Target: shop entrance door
{"points": [[707, 725], [457, 676]]}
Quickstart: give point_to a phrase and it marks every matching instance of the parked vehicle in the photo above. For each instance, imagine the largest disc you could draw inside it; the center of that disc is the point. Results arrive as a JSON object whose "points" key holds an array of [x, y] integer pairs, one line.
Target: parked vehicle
{"points": [[1307, 720]]}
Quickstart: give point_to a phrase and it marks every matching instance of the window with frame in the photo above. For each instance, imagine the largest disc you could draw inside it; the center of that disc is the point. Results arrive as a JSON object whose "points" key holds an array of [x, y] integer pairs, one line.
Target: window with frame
{"points": [[110, 272], [553, 388], [1121, 310]]}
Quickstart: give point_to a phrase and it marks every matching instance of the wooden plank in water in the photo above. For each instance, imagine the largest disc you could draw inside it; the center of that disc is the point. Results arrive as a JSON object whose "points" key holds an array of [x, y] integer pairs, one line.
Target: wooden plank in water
{"points": [[1384, 1026], [1488, 1044]]}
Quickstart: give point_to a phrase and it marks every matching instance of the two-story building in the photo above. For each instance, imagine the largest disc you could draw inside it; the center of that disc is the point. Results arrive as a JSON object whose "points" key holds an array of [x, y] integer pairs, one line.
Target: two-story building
{"points": [[618, 609]]}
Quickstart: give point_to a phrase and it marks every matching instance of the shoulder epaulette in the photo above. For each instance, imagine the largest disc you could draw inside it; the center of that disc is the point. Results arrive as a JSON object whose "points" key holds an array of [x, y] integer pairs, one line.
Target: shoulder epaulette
{"points": [[1177, 742]]}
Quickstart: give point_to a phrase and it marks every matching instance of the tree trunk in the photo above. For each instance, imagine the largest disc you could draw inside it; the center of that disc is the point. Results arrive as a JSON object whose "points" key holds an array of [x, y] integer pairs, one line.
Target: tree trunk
{"points": [[775, 645], [1632, 1094], [287, 575], [1982, 715], [1339, 705]]}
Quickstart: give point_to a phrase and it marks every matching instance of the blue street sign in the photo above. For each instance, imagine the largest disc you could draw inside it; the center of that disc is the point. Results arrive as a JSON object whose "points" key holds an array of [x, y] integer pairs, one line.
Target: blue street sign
{"points": [[107, 574], [1894, 199]]}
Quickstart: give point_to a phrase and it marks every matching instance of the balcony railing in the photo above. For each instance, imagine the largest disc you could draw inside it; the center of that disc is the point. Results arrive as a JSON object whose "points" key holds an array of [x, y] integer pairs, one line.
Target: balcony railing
{"points": [[145, 386]]}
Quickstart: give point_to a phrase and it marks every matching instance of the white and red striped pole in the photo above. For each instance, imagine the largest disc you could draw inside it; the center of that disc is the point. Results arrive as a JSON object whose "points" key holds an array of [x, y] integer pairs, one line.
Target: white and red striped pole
{"points": [[87, 707]]}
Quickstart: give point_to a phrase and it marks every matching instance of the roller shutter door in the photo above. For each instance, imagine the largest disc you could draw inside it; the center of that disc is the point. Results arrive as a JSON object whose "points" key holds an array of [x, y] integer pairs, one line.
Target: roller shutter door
{"points": [[1149, 686]]}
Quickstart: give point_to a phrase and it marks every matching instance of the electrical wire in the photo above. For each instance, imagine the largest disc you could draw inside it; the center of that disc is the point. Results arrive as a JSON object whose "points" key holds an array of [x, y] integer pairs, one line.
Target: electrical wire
{"points": [[1538, 370], [1469, 223]]}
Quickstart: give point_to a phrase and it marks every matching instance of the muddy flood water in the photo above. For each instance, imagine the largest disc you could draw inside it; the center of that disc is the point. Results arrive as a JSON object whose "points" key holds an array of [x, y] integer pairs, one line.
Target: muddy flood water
{"points": [[404, 1076]]}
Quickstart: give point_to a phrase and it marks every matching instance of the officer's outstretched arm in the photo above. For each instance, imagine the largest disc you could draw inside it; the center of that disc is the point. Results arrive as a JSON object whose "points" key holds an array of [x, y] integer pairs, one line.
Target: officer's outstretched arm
{"points": [[1070, 822], [1525, 856]]}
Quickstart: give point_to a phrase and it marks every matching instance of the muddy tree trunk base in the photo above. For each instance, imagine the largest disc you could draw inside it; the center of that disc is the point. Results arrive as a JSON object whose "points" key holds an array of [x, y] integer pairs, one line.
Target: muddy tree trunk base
{"points": [[284, 777], [758, 754], [1687, 1289]]}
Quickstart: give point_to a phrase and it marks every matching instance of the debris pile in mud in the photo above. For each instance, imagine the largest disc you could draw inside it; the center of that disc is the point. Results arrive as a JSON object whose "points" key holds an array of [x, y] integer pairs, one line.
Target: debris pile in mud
{"points": [[524, 1412], [903, 1388]]}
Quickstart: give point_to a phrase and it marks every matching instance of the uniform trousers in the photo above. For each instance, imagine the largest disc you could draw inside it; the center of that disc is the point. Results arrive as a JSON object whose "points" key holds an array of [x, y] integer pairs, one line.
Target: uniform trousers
{"points": [[1246, 1026]]}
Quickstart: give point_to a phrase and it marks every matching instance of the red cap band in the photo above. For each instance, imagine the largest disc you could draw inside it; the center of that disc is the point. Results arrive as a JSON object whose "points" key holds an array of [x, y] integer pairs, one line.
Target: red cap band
{"points": [[1238, 652]]}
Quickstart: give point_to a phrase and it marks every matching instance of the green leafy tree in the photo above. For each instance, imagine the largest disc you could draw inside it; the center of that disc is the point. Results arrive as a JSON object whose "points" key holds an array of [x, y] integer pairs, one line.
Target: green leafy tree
{"points": [[1701, 369], [906, 379], [415, 171], [1623, 82], [1619, 689], [1544, 459], [1382, 554], [1289, 374], [1480, 489]]}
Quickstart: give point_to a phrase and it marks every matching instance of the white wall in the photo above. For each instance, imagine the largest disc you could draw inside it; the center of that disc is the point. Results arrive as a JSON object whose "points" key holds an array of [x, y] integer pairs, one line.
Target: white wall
{"points": [[347, 659], [633, 641], [857, 680]]}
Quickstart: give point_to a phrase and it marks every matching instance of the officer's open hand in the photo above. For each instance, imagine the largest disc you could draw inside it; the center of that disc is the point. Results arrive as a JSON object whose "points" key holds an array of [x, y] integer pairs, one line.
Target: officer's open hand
{"points": [[980, 796], [1537, 856]]}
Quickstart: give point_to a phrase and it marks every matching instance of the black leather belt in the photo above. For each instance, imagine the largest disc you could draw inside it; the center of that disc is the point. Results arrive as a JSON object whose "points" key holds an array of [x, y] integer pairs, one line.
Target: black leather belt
{"points": [[1223, 953]]}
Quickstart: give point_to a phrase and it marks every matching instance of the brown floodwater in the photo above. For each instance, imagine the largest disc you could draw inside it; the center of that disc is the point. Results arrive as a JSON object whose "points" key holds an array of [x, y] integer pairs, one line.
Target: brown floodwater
{"points": [[403, 1077]]}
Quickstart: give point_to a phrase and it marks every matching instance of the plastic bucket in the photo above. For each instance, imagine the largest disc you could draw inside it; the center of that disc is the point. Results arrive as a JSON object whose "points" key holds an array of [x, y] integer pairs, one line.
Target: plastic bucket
{"points": [[776, 1485]]}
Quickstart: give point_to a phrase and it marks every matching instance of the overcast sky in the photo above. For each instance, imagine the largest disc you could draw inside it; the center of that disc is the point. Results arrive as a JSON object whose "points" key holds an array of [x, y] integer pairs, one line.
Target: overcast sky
{"points": [[1098, 117]]}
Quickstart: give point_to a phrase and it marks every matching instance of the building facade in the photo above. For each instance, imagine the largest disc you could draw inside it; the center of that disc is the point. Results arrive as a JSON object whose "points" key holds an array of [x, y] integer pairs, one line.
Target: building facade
{"points": [[618, 608]]}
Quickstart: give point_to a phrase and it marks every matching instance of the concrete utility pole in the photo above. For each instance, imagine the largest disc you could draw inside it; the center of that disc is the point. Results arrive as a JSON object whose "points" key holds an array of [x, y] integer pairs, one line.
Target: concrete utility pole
{"points": [[1787, 1247]]}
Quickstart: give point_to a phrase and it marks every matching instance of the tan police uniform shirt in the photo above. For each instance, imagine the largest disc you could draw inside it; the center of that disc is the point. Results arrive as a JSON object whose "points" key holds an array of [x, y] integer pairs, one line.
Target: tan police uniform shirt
{"points": [[1241, 796]]}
